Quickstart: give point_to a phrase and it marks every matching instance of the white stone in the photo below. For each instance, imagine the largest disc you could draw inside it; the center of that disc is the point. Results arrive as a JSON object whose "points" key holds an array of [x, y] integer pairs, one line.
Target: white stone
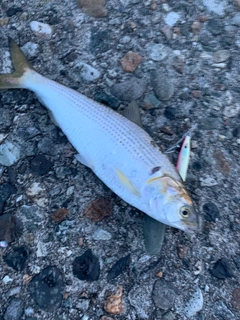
{"points": [[37, 193], [9, 154], [208, 182], [195, 304], [231, 111], [216, 6], [41, 28], [171, 18], [7, 279], [89, 73], [41, 250], [101, 234], [30, 49], [157, 52]]}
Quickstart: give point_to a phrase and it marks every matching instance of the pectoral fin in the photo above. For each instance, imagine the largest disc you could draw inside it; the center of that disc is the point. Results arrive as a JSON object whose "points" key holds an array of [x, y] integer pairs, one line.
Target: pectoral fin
{"points": [[83, 161], [127, 183]]}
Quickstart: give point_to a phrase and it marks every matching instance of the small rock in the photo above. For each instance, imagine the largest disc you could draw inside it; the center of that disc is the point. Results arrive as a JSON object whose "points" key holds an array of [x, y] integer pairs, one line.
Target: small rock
{"points": [[118, 267], [168, 316], [7, 279], [13, 10], [93, 8], [222, 164], [215, 26], [194, 305], [231, 111], [114, 303], [87, 72], [106, 99], [217, 7], [236, 20], [196, 27], [47, 288], [40, 165], [164, 294], [30, 49], [222, 312], [6, 190], [236, 298], [196, 93], [150, 102], [59, 215], [221, 56], [10, 228], [170, 113], [14, 310], [4, 21], [130, 61], [167, 130], [211, 210], [98, 209], [86, 267], [182, 251], [171, 18], [29, 312], [167, 31], [83, 304], [237, 3], [222, 269], [179, 63], [129, 90], [101, 234], [37, 193], [208, 182], [157, 52], [9, 154], [140, 298], [16, 258], [41, 29], [99, 41], [162, 85]]}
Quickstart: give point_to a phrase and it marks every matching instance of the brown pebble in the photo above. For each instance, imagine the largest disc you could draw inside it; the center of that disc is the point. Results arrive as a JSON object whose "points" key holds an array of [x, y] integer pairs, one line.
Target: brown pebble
{"points": [[114, 304], [196, 27], [222, 164], [167, 31], [98, 209], [4, 21], [80, 241], [203, 18], [130, 61], [166, 130], [159, 274], [196, 93], [94, 8], [182, 251], [59, 214], [236, 298]]}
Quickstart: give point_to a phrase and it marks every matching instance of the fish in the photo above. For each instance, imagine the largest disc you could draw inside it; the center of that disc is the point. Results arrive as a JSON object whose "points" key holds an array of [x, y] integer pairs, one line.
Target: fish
{"points": [[119, 152]]}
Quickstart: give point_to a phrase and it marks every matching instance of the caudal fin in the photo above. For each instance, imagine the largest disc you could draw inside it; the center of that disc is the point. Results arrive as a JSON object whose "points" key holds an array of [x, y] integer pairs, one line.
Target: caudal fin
{"points": [[20, 64]]}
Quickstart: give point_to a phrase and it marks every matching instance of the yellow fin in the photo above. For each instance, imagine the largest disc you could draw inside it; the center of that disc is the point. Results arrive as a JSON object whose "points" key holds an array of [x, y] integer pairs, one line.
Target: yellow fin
{"points": [[127, 183]]}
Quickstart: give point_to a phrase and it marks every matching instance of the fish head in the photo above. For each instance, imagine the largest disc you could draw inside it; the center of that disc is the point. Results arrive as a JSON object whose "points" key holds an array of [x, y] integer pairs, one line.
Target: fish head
{"points": [[170, 203]]}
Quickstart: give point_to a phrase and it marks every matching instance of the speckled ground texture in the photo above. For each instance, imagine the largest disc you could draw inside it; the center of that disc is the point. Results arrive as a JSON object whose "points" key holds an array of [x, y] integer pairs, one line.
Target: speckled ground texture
{"points": [[188, 74]]}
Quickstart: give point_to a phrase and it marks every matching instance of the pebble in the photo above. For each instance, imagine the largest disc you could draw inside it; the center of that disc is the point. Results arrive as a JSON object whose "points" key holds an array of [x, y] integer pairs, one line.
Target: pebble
{"points": [[9, 154], [157, 52], [208, 182], [221, 56], [162, 85], [171, 18], [7, 279], [167, 31], [164, 294], [41, 29], [236, 298], [37, 193], [86, 267], [47, 288], [211, 211], [236, 20], [130, 61], [114, 303], [99, 40], [217, 7], [118, 267], [170, 112], [40, 165], [13, 10], [101, 234], [196, 27], [140, 298], [59, 215], [182, 251], [221, 163], [93, 8], [231, 111], [237, 3], [87, 72], [129, 90], [168, 316], [83, 304], [30, 49], [14, 310], [215, 26], [10, 227], [16, 258], [194, 305], [222, 312], [179, 63], [106, 99], [4, 21], [98, 209], [150, 102], [29, 311], [6, 190], [222, 269]]}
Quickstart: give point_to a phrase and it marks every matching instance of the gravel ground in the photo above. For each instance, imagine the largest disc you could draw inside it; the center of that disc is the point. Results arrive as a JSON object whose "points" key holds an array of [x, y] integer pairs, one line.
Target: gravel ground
{"points": [[75, 250]]}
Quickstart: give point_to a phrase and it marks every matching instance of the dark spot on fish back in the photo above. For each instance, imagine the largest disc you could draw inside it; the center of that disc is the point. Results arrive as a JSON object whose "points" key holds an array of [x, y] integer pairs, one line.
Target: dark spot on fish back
{"points": [[155, 169]]}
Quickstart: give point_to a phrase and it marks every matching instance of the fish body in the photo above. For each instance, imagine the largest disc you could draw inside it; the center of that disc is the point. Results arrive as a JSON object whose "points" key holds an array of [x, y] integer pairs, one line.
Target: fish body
{"points": [[118, 151]]}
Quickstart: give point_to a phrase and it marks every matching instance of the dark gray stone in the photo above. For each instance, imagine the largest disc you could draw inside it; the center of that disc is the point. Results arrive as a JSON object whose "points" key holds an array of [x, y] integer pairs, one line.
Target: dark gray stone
{"points": [[86, 267], [222, 269], [215, 26], [162, 85], [16, 258], [211, 211], [118, 267], [164, 294], [128, 90]]}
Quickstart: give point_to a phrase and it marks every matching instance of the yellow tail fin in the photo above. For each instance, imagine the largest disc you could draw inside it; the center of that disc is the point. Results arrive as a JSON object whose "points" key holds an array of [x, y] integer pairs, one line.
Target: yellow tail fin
{"points": [[20, 64]]}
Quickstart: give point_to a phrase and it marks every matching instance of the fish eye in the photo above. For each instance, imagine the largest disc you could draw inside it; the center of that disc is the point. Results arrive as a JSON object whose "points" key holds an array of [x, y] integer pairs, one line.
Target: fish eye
{"points": [[185, 212]]}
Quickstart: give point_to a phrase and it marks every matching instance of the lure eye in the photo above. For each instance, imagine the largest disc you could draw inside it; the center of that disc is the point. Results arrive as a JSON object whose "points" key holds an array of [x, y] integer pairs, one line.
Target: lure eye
{"points": [[185, 212]]}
